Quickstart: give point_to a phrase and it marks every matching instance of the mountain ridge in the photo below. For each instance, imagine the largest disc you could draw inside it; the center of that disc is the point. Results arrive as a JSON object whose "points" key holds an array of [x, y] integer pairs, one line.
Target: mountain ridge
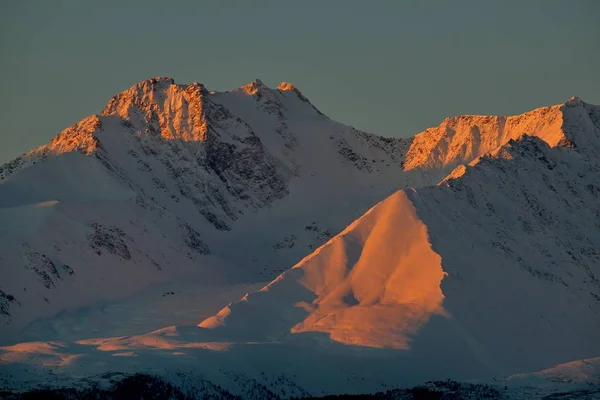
{"points": [[257, 169], [467, 252], [139, 97], [511, 243], [535, 242]]}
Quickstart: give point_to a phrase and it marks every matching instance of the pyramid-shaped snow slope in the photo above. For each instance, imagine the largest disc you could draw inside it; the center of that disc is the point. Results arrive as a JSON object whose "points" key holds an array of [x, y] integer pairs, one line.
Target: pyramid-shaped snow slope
{"points": [[372, 285], [500, 260]]}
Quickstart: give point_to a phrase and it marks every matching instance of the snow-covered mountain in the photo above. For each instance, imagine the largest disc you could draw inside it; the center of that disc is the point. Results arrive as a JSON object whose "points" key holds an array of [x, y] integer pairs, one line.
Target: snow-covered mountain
{"points": [[500, 259], [490, 253], [174, 180]]}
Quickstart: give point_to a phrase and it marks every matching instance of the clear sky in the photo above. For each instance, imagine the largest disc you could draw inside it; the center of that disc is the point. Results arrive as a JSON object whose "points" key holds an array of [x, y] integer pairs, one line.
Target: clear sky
{"points": [[388, 66]]}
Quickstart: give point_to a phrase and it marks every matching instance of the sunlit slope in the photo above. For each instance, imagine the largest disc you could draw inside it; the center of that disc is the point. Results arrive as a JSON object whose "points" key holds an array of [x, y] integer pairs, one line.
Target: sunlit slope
{"points": [[463, 138], [375, 284]]}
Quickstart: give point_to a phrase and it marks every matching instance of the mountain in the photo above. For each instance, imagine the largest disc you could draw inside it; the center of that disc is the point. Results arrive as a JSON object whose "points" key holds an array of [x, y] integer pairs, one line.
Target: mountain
{"points": [[169, 178], [500, 259], [480, 258]]}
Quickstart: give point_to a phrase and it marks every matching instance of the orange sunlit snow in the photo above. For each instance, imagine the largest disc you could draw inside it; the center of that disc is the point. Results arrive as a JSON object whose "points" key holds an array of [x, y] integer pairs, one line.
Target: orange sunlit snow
{"points": [[380, 294]]}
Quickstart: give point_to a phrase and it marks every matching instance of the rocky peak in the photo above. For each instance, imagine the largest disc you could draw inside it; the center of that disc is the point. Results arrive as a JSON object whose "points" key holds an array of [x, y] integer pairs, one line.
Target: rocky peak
{"points": [[267, 99], [574, 101], [153, 84], [285, 86], [80, 137], [464, 138], [200, 86], [581, 124], [289, 87], [167, 80], [161, 107], [254, 87]]}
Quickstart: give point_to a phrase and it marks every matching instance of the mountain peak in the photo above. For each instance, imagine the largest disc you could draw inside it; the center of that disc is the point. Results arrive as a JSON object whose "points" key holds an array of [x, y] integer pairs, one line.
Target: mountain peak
{"points": [[161, 106], [463, 138], [574, 101], [163, 79], [285, 86], [290, 87], [156, 82], [254, 87], [198, 84]]}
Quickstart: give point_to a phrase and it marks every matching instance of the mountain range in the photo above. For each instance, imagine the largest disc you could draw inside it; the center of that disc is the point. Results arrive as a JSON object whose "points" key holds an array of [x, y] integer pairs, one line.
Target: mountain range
{"points": [[470, 250]]}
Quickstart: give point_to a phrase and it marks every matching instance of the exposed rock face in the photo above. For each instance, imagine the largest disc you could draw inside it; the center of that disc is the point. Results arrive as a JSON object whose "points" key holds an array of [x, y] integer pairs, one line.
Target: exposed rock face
{"points": [[215, 157], [80, 137], [464, 138]]}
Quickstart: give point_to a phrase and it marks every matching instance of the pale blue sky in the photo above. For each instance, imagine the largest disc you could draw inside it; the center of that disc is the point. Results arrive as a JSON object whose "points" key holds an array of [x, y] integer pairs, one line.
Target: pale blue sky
{"points": [[390, 67]]}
